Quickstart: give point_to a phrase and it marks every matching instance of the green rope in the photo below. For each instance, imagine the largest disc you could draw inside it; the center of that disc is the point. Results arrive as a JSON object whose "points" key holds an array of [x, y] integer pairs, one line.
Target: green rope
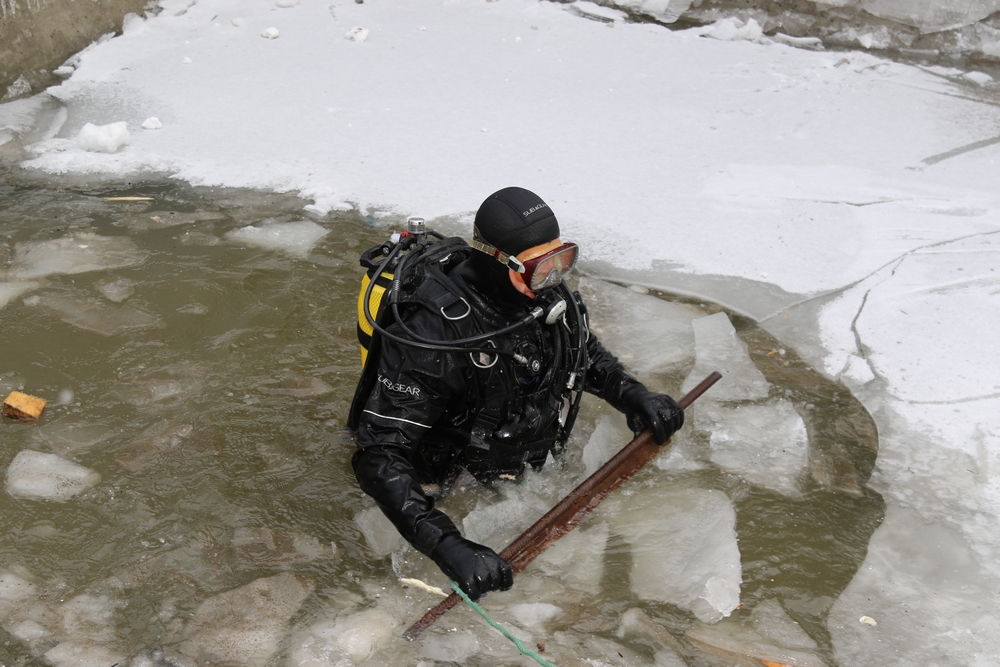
{"points": [[504, 631]]}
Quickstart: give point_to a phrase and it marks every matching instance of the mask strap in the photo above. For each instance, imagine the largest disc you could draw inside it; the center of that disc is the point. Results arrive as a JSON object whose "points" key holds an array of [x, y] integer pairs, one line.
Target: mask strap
{"points": [[511, 262]]}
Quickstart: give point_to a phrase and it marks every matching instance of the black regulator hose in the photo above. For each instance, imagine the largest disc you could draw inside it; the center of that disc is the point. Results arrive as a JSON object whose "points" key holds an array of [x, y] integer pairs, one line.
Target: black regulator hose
{"points": [[418, 341]]}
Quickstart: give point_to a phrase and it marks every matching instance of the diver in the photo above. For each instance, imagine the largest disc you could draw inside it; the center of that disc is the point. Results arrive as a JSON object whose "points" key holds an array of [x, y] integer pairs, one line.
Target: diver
{"points": [[475, 356]]}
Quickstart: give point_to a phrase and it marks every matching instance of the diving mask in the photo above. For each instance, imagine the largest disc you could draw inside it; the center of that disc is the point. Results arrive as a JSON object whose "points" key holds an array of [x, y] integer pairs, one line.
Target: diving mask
{"points": [[541, 272]]}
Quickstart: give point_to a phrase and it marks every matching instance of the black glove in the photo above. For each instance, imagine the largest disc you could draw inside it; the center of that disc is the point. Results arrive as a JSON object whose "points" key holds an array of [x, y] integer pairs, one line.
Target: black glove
{"points": [[475, 568], [657, 412]]}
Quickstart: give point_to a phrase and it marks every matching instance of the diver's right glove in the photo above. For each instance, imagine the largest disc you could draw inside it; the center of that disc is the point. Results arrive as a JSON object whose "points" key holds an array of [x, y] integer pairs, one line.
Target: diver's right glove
{"points": [[476, 569], [646, 409]]}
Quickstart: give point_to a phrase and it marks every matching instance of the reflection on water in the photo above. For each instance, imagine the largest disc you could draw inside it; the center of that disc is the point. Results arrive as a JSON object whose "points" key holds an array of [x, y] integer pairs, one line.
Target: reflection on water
{"points": [[207, 380]]}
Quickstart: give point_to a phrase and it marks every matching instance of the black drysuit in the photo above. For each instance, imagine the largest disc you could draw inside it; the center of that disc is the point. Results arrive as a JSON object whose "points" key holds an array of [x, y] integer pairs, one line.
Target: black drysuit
{"points": [[422, 415]]}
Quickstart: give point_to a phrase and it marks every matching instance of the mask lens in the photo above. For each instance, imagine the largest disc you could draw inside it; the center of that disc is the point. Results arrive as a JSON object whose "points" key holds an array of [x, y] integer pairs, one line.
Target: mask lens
{"points": [[547, 270]]}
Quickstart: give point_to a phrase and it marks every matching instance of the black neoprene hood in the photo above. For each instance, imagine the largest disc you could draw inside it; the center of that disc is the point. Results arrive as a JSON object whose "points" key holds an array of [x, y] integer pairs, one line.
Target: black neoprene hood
{"points": [[515, 219]]}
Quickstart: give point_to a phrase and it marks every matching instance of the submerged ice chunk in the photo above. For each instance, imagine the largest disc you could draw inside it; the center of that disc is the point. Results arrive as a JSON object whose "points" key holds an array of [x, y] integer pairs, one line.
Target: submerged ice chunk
{"points": [[381, 536], [10, 291], [767, 445], [718, 348], [454, 647], [771, 637], [607, 439], [262, 547], [577, 558], [534, 614], [71, 435], [115, 289], [360, 634], [299, 387], [684, 549], [82, 653], [246, 625], [92, 315], [167, 441], [294, 238], [78, 253], [103, 138], [650, 334], [47, 477]]}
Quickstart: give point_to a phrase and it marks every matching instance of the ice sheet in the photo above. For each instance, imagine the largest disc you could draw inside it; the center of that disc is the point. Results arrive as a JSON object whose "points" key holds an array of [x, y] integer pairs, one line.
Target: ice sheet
{"points": [[915, 585]]}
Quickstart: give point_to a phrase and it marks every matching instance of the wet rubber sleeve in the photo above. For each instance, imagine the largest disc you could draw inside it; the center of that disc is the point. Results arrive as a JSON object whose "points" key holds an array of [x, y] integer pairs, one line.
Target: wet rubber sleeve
{"points": [[412, 390]]}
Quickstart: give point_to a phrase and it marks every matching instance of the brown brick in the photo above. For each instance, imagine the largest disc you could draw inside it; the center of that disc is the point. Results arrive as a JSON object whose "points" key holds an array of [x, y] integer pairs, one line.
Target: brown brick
{"points": [[24, 407]]}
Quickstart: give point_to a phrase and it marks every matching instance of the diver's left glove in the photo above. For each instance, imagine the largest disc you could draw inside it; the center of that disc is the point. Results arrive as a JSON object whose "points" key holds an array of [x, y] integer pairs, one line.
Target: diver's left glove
{"points": [[646, 409], [476, 569]]}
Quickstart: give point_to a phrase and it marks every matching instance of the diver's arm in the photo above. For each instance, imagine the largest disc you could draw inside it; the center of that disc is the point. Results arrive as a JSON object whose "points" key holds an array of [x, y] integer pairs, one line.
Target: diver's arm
{"points": [[412, 390], [409, 396]]}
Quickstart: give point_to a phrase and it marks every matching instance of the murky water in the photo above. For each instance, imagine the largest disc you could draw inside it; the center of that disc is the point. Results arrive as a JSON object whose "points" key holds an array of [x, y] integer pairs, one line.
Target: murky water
{"points": [[215, 419]]}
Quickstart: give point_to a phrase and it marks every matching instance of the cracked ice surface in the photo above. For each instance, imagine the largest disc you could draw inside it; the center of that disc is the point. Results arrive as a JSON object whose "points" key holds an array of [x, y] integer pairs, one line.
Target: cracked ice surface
{"points": [[848, 202]]}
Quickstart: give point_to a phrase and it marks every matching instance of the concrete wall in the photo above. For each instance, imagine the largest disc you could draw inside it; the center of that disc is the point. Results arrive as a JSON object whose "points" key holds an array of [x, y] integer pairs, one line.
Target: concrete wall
{"points": [[37, 36]]}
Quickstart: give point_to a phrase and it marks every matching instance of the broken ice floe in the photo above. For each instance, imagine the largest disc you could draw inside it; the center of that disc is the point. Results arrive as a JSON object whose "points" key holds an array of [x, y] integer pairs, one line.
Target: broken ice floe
{"points": [[103, 138], [92, 315], [295, 238], [246, 625], [766, 445], [684, 549], [78, 253], [718, 348], [649, 334], [41, 476], [115, 289]]}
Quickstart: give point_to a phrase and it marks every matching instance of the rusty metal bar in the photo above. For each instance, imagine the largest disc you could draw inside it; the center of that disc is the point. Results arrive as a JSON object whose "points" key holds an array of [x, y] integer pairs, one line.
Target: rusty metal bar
{"points": [[572, 509]]}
